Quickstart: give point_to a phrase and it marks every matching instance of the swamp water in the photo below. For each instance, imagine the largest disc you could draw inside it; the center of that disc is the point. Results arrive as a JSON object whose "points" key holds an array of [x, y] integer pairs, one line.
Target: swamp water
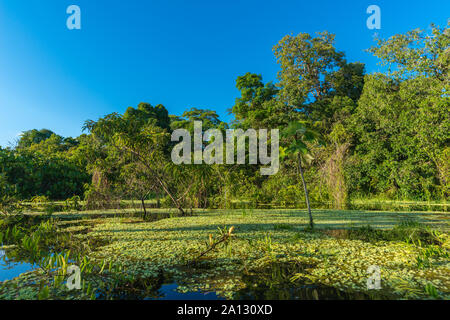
{"points": [[10, 269], [272, 283]]}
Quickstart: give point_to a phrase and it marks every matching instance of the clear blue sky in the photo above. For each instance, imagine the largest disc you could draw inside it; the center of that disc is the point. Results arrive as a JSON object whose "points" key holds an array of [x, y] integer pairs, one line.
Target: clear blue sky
{"points": [[181, 54]]}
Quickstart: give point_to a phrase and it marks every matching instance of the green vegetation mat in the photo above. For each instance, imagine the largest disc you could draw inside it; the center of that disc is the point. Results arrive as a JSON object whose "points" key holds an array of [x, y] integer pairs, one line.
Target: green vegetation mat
{"points": [[411, 250]]}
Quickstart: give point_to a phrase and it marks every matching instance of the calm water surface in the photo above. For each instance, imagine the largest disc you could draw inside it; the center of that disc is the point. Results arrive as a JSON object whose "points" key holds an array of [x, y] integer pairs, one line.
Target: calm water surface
{"points": [[10, 269]]}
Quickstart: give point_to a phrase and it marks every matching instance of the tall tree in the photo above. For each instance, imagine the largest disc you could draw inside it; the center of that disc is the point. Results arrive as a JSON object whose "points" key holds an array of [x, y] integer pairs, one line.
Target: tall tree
{"points": [[257, 107], [141, 139], [298, 135], [401, 123], [34, 136], [306, 64]]}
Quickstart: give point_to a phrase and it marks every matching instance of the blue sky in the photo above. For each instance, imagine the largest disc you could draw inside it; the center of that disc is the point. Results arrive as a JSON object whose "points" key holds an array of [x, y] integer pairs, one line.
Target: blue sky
{"points": [[181, 54]]}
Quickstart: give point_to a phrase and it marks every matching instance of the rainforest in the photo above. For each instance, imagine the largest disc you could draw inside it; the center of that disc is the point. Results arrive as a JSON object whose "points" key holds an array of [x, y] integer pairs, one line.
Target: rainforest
{"points": [[357, 210]]}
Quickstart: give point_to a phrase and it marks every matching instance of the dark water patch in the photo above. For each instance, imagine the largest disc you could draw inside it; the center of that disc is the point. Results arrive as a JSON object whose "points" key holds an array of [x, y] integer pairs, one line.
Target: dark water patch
{"points": [[169, 292], [292, 291], [160, 288], [274, 283]]}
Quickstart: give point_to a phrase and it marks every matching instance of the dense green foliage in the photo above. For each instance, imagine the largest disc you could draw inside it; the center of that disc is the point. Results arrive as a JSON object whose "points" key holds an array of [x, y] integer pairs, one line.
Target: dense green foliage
{"points": [[25, 174], [383, 135]]}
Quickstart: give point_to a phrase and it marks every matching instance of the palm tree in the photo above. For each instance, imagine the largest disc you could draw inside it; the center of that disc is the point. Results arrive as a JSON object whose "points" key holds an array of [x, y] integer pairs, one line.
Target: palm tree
{"points": [[299, 134]]}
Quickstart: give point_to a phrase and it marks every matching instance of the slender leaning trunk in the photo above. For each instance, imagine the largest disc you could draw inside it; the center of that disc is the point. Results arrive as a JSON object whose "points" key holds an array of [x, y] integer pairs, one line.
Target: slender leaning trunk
{"points": [[167, 191], [311, 223], [143, 206]]}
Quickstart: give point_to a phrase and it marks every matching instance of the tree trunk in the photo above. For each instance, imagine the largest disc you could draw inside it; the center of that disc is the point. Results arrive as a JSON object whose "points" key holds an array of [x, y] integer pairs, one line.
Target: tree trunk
{"points": [[158, 179], [167, 191], [311, 223], [143, 206]]}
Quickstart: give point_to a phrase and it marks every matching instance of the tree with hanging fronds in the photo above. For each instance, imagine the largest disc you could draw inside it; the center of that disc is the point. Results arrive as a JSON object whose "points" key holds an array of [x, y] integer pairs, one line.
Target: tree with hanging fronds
{"points": [[297, 135]]}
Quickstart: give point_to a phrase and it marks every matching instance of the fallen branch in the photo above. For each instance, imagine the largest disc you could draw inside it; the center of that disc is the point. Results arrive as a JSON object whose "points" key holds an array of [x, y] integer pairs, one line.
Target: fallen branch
{"points": [[212, 245]]}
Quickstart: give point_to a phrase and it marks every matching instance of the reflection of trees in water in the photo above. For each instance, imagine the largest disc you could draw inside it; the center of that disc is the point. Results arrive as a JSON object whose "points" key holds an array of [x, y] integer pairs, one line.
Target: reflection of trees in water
{"points": [[274, 283]]}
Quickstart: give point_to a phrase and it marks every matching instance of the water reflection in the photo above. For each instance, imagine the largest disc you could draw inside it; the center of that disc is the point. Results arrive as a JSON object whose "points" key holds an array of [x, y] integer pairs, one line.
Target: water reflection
{"points": [[155, 289], [169, 292], [10, 269], [273, 283]]}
